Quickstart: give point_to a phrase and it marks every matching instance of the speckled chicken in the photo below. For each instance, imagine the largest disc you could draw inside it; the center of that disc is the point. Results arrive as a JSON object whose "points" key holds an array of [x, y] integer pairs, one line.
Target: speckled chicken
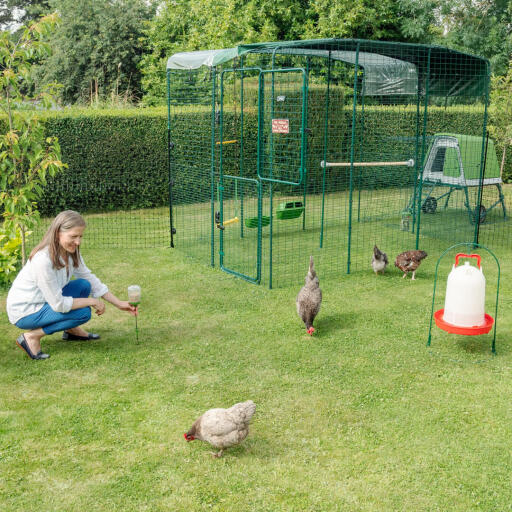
{"points": [[409, 261], [379, 260], [309, 298], [223, 428]]}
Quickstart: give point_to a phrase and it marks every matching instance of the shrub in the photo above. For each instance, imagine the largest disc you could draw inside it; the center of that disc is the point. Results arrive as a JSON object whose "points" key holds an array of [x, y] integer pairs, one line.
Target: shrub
{"points": [[118, 158]]}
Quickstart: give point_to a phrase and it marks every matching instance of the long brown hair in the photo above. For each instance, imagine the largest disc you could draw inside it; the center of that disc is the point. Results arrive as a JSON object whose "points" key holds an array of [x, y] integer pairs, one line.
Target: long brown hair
{"points": [[64, 221]]}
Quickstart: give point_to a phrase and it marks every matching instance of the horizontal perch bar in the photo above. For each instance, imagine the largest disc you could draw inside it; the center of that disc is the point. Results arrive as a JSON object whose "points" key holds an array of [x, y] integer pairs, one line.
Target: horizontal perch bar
{"points": [[408, 163], [227, 223], [227, 142], [230, 221]]}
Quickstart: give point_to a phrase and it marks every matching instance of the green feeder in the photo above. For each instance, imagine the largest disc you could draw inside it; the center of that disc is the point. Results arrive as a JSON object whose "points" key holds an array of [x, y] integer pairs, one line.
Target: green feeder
{"points": [[290, 210], [252, 222]]}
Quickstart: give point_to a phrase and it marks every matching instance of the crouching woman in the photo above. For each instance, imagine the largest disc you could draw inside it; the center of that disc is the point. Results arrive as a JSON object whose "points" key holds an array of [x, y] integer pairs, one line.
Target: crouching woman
{"points": [[43, 299]]}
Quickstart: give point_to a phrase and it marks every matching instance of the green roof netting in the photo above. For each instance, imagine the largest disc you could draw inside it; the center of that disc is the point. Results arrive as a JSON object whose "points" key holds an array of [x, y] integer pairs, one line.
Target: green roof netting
{"points": [[389, 68]]}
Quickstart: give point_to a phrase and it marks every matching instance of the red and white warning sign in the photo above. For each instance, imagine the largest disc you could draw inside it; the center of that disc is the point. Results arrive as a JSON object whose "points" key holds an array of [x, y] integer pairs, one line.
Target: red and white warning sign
{"points": [[280, 126]]}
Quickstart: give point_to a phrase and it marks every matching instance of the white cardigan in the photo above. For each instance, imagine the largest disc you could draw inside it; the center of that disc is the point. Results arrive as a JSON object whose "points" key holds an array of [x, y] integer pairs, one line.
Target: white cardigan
{"points": [[39, 282]]}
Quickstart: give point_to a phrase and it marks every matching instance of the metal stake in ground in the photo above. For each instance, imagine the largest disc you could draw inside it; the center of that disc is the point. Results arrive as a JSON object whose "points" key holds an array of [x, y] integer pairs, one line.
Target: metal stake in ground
{"points": [[134, 300]]}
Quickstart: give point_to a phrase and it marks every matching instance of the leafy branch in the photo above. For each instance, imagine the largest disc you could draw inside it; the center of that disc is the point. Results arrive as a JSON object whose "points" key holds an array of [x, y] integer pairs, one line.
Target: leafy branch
{"points": [[27, 155]]}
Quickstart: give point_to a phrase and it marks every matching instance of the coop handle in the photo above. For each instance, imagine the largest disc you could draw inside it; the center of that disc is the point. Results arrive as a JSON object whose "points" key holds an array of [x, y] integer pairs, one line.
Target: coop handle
{"points": [[462, 255]]}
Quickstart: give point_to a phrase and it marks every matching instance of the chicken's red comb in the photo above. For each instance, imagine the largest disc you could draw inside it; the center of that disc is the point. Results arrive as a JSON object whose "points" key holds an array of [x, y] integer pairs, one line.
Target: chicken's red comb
{"points": [[185, 436], [311, 330]]}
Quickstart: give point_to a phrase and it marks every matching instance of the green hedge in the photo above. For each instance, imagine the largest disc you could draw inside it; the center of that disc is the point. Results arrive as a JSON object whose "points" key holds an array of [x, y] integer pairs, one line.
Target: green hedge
{"points": [[118, 159]]}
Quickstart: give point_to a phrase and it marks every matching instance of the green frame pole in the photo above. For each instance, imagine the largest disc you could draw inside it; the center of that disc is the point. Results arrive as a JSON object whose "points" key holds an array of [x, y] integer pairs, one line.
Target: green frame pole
{"points": [[221, 169], [416, 157], [271, 162], [360, 155], [423, 144], [305, 114], [352, 144], [242, 144], [169, 170], [483, 155], [326, 141], [212, 170]]}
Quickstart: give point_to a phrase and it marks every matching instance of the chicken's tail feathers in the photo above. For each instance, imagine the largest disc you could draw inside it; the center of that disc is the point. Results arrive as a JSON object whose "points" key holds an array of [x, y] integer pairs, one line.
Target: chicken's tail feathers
{"points": [[245, 410], [311, 267]]}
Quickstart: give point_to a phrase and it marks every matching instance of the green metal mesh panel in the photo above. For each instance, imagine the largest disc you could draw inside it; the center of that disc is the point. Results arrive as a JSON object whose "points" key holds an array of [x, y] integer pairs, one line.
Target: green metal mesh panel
{"points": [[134, 229], [240, 231], [265, 124], [191, 159]]}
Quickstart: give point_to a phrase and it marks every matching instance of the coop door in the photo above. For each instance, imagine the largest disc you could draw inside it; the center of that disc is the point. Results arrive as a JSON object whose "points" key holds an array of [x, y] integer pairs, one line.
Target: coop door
{"points": [[281, 127], [240, 223]]}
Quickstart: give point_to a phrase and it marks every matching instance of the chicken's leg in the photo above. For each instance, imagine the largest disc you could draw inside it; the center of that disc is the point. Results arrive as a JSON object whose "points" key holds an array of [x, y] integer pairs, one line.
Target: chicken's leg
{"points": [[405, 273], [413, 273], [217, 455]]}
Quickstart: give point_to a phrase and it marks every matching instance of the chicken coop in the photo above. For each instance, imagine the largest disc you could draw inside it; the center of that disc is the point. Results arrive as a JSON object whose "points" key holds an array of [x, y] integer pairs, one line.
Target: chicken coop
{"points": [[279, 151]]}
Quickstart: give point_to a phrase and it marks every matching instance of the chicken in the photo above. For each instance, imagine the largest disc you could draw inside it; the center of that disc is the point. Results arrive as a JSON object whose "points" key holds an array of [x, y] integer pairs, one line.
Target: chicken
{"points": [[379, 260], [309, 299], [409, 261], [223, 428]]}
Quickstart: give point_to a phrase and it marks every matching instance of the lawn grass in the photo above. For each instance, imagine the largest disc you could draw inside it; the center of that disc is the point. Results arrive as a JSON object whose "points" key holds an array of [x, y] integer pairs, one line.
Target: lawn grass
{"points": [[361, 417]]}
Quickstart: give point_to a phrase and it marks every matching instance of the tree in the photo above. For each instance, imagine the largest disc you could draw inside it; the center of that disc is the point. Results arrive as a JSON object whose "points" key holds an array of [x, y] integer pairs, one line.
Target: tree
{"points": [[27, 155], [207, 24], [14, 12], [481, 27], [388, 20], [97, 48], [500, 119]]}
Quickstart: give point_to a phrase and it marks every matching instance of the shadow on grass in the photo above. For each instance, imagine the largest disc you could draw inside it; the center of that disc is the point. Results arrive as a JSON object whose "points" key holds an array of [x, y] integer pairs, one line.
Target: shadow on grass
{"points": [[464, 348], [328, 324]]}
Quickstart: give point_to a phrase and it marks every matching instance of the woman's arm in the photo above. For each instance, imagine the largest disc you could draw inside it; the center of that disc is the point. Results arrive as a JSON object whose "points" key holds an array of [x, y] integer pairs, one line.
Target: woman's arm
{"points": [[97, 304], [99, 289], [123, 305]]}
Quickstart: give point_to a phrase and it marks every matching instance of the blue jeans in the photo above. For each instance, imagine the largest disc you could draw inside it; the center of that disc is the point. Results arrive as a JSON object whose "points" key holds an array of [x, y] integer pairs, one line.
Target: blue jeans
{"points": [[51, 321]]}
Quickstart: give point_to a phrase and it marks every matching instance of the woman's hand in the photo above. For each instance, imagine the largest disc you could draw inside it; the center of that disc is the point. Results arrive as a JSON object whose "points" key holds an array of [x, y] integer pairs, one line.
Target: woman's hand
{"points": [[126, 306], [99, 306], [123, 305]]}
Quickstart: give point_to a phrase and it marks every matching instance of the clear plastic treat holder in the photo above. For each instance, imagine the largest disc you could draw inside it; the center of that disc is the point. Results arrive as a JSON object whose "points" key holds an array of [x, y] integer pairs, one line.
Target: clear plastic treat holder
{"points": [[134, 294]]}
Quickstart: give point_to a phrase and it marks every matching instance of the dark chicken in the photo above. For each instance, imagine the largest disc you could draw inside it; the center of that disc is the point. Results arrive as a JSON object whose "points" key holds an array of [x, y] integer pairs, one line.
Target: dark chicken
{"points": [[409, 261]]}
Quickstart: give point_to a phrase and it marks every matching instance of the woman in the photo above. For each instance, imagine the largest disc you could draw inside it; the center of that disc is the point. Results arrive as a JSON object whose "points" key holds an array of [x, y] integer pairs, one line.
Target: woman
{"points": [[43, 299]]}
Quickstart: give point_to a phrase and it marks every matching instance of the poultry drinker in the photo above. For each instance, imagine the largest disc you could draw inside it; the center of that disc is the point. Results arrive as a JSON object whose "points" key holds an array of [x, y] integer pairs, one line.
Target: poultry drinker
{"points": [[464, 306]]}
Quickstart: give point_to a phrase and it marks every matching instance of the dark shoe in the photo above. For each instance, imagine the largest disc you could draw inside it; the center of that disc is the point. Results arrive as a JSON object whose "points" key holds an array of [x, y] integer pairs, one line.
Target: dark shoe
{"points": [[67, 336], [22, 343]]}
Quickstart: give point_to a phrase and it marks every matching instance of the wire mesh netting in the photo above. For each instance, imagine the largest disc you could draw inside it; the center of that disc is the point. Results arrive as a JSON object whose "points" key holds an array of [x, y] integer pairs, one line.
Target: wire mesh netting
{"points": [[123, 229], [328, 148], [115, 178]]}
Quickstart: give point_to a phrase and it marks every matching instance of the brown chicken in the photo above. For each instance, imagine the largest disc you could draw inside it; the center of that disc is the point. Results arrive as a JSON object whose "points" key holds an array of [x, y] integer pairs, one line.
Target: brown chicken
{"points": [[223, 428], [409, 261], [309, 298]]}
